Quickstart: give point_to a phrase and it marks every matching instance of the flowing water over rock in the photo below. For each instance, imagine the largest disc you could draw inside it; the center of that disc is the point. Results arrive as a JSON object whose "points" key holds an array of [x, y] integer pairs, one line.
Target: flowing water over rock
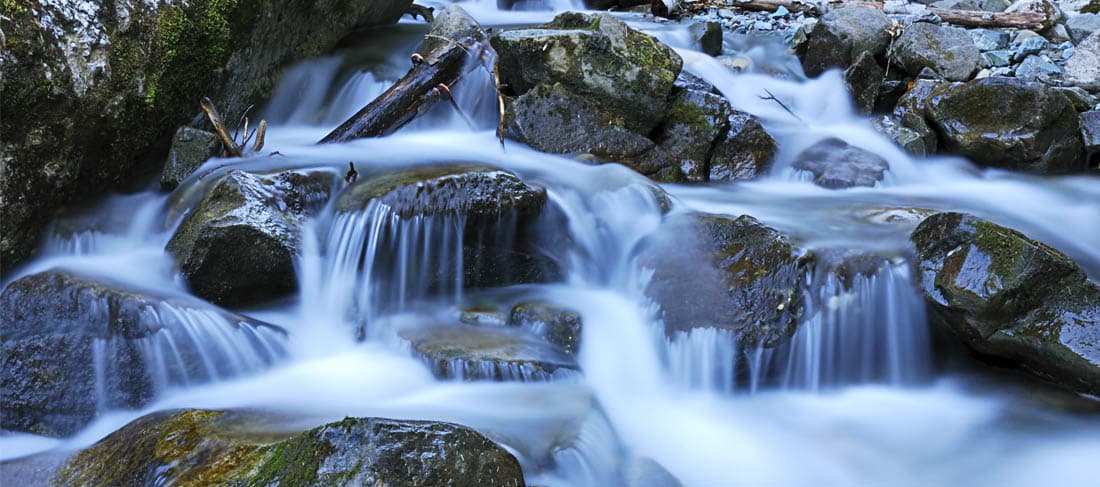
{"points": [[390, 264]]}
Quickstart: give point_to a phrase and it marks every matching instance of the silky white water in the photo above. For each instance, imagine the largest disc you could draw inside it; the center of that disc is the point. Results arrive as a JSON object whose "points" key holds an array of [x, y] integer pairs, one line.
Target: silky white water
{"points": [[854, 399]]}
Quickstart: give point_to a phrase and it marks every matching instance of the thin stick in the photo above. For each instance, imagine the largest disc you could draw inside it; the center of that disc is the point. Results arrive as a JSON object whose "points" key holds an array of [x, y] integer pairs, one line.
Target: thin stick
{"points": [[219, 127], [260, 133], [446, 91], [781, 104]]}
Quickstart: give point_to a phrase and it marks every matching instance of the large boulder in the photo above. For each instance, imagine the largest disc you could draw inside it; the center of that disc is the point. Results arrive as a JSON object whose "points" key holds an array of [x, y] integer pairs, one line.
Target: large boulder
{"points": [[864, 79], [204, 447], [841, 35], [622, 71], [94, 90], [746, 151], [501, 218], [238, 246], [190, 149], [718, 272], [1010, 124], [464, 352], [696, 121], [1011, 298], [73, 347], [948, 51], [836, 164]]}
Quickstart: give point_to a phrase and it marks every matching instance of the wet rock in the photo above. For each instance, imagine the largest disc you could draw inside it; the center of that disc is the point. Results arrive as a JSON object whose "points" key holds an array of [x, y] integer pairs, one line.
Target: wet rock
{"points": [[835, 164], [919, 142], [1010, 124], [1080, 98], [558, 325], [948, 51], [203, 447], [841, 35], [190, 148], [1090, 130], [709, 36], [238, 246], [718, 272], [1083, 67], [93, 91], [746, 152], [618, 69], [688, 81], [1011, 298], [452, 22], [695, 121], [552, 119], [74, 346], [501, 234], [863, 78], [456, 351]]}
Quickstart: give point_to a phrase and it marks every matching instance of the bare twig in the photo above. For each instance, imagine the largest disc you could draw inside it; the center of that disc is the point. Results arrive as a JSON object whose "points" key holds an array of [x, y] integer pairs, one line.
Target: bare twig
{"points": [[260, 133], [446, 92], [216, 120], [781, 104]]}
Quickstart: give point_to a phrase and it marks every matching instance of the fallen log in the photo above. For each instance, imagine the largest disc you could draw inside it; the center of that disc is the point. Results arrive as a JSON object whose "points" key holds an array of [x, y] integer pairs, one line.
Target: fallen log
{"points": [[679, 8], [409, 96], [970, 18]]}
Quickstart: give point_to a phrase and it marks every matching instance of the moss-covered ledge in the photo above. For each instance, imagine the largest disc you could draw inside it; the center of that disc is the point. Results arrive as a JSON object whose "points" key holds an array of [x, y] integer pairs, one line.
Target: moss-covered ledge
{"points": [[92, 91]]}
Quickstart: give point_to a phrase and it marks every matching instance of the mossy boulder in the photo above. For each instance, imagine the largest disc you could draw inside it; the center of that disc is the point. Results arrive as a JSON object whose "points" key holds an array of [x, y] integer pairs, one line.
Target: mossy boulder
{"points": [[842, 35], [74, 346], [1010, 298], [504, 220], [1009, 124], [459, 351], [745, 152], [203, 447], [948, 51], [622, 71], [238, 246], [864, 78], [836, 164], [696, 121], [94, 90], [190, 149], [736, 274]]}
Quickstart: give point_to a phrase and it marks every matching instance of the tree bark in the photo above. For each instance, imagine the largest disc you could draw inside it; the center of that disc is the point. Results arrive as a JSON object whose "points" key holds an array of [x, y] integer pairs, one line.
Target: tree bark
{"points": [[408, 97]]}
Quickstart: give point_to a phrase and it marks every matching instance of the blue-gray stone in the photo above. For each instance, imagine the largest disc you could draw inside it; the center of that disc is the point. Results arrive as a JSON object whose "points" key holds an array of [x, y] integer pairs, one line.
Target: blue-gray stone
{"points": [[991, 59], [1031, 45], [1037, 68], [989, 39]]}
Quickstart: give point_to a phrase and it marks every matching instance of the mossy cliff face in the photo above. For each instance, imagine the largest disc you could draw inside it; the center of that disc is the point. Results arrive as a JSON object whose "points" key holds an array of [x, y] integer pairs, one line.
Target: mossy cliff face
{"points": [[94, 90], [1011, 298], [200, 447]]}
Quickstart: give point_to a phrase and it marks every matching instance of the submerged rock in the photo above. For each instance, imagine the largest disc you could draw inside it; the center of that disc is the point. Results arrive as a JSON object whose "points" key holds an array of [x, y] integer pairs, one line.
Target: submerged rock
{"points": [[190, 148], [948, 51], [620, 70], [93, 91], [1011, 298], [501, 219], [455, 351], [842, 35], [558, 325], [1010, 124], [718, 272], [73, 347], [836, 164], [202, 447], [238, 246], [746, 152]]}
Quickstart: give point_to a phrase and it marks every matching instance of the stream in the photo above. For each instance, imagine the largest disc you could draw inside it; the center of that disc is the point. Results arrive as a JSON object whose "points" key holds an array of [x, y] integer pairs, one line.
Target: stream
{"points": [[858, 397]]}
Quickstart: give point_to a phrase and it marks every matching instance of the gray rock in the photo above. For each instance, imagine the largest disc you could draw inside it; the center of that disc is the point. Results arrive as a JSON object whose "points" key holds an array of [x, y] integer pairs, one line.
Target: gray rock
{"points": [[620, 70], [1011, 298], [463, 352], [190, 148], [746, 152], [716, 272], [835, 164], [1080, 98], [1090, 130], [1031, 46], [452, 22], [93, 95], [1038, 68], [254, 448], [912, 140], [73, 346], [1083, 67], [709, 36], [1083, 25], [948, 51], [989, 39], [863, 78], [1008, 123], [996, 59], [841, 35], [558, 325], [695, 122]]}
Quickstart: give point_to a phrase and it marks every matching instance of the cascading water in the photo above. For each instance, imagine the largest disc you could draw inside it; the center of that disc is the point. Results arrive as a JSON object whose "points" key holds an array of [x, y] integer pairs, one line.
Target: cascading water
{"points": [[850, 400]]}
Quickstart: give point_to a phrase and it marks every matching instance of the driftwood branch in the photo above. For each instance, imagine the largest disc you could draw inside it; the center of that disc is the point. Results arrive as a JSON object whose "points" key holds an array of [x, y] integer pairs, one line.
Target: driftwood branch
{"points": [[219, 127], [409, 96]]}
